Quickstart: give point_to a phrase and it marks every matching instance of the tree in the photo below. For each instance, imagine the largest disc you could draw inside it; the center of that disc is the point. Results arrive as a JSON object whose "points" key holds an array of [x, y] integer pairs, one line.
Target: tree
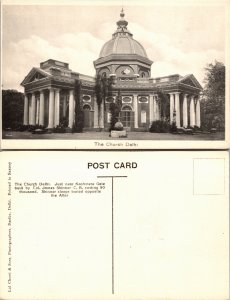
{"points": [[164, 103], [102, 88], [12, 109], [213, 102], [79, 115], [115, 109], [98, 91]]}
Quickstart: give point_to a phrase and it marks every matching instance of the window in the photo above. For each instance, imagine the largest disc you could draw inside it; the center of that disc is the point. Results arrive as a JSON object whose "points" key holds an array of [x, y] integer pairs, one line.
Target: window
{"points": [[86, 98], [143, 99], [86, 107], [126, 99]]}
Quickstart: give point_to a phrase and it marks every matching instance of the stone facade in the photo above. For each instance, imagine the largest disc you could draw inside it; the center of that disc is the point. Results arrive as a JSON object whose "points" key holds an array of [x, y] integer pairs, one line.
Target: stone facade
{"points": [[49, 90]]}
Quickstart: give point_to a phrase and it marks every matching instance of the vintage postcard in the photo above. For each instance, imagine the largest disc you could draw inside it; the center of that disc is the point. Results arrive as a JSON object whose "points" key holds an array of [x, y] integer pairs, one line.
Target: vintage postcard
{"points": [[114, 225], [115, 74]]}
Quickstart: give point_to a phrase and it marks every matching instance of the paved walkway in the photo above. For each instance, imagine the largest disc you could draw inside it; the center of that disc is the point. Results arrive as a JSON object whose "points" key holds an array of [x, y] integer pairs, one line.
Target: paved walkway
{"points": [[105, 136]]}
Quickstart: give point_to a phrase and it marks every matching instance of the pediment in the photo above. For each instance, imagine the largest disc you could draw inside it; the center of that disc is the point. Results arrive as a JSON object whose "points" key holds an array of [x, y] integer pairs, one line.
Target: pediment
{"points": [[35, 74], [191, 81]]}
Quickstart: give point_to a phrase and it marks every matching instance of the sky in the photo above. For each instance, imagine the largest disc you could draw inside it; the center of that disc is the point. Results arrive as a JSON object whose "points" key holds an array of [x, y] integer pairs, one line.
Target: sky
{"points": [[179, 39]]}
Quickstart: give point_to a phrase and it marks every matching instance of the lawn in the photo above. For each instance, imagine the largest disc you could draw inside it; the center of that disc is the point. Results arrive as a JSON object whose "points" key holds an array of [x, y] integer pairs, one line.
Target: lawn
{"points": [[90, 135]]}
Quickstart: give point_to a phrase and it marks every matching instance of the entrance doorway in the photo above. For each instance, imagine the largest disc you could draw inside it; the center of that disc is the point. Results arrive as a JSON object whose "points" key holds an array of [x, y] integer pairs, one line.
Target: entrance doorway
{"points": [[88, 116], [127, 117]]}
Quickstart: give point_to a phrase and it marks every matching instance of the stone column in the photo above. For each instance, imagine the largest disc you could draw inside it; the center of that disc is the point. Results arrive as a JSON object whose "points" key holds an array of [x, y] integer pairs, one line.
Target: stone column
{"points": [[33, 109], [198, 112], [41, 108], [29, 102], [177, 107], [151, 117], [57, 108], [51, 108], [64, 106], [135, 106], [37, 110], [185, 111], [192, 112], [171, 107], [26, 110], [95, 119], [71, 108], [154, 108], [74, 105]]}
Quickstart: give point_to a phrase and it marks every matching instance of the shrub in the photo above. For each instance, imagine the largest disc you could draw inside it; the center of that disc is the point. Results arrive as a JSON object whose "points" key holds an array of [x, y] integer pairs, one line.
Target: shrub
{"points": [[79, 122], [38, 129], [173, 128], [59, 129], [23, 128], [160, 126]]}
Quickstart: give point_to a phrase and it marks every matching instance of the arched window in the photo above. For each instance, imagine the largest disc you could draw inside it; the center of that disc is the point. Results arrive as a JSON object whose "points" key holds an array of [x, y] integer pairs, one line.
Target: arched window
{"points": [[126, 114], [87, 107], [126, 108]]}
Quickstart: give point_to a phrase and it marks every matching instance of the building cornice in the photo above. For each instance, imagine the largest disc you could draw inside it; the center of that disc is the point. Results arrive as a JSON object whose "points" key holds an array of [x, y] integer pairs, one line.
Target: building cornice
{"points": [[121, 57]]}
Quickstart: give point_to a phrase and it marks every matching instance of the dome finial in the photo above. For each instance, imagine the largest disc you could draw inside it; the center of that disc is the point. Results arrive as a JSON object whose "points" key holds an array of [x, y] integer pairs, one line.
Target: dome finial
{"points": [[122, 14], [122, 26], [122, 23]]}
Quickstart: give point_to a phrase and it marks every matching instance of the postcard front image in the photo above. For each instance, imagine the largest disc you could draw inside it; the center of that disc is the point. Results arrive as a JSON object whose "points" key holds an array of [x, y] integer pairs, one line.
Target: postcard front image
{"points": [[111, 77]]}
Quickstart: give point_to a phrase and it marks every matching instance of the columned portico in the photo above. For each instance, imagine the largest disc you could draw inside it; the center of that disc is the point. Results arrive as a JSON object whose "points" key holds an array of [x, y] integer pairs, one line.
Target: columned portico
{"points": [[192, 112], [34, 109], [26, 110], [185, 111]]}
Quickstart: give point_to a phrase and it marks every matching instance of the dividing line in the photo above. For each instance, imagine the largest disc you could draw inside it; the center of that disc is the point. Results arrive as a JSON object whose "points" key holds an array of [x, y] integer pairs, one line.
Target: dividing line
{"points": [[112, 243], [112, 226]]}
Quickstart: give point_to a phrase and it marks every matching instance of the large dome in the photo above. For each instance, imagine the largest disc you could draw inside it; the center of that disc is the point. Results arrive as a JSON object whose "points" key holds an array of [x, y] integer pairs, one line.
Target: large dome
{"points": [[122, 41], [122, 56], [122, 45]]}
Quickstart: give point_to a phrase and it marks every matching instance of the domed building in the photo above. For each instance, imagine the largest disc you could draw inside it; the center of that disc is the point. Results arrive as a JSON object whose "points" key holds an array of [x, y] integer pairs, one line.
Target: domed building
{"points": [[50, 92]]}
